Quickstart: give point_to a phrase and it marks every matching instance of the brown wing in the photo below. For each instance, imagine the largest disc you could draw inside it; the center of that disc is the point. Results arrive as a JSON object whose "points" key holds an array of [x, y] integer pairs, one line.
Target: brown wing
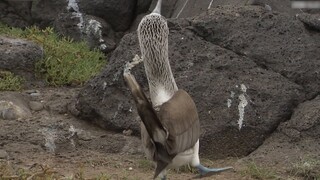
{"points": [[180, 117], [152, 124]]}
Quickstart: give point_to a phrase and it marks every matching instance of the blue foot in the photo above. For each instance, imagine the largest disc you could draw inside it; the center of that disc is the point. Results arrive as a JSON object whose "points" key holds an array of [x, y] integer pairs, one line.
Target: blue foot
{"points": [[164, 178], [204, 171]]}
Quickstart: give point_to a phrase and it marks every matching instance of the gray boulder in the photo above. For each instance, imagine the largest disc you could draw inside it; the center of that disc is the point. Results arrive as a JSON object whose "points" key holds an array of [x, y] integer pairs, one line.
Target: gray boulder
{"points": [[14, 106], [275, 41], [239, 102], [19, 56]]}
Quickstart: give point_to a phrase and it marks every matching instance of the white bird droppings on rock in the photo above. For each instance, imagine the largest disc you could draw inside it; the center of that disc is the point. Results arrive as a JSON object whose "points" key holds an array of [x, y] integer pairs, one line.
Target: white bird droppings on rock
{"points": [[229, 101], [242, 104]]}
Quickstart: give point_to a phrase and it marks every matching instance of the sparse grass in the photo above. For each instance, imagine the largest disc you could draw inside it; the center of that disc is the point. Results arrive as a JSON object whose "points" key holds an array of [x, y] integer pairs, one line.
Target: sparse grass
{"points": [[42, 173], [308, 168], [39, 172], [103, 176], [9, 81], [65, 62], [145, 164], [258, 172]]}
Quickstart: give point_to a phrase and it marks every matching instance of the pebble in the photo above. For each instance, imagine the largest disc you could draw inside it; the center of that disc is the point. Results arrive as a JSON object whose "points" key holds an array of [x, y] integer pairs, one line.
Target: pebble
{"points": [[9, 114], [3, 154], [35, 106]]}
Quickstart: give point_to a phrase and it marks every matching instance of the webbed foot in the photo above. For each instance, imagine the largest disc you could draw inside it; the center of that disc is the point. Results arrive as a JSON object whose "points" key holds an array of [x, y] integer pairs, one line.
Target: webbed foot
{"points": [[205, 172]]}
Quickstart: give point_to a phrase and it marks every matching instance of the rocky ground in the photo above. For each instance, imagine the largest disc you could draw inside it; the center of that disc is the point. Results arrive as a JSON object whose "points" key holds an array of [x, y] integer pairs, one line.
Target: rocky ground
{"points": [[54, 143], [252, 71]]}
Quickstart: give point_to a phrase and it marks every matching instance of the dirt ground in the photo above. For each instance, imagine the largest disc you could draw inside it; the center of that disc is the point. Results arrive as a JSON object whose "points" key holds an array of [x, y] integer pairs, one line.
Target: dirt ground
{"points": [[54, 143]]}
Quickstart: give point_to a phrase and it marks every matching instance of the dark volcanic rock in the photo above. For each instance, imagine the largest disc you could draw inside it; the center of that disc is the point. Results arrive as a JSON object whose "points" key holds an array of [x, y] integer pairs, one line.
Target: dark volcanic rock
{"points": [[44, 12], [275, 41], [223, 84], [296, 140], [22, 8], [118, 13], [67, 24], [305, 121], [95, 31], [105, 99], [190, 8], [143, 6], [15, 13], [311, 20], [19, 56]]}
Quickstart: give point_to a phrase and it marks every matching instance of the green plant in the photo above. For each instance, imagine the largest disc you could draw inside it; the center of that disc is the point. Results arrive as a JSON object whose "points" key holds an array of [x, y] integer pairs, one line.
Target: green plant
{"points": [[65, 62], [10, 31], [9, 81], [258, 172]]}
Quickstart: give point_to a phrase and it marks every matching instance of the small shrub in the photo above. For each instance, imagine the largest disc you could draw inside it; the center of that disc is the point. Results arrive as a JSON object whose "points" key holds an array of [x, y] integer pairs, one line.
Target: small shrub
{"points": [[258, 172], [65, 62], [10, 82]]}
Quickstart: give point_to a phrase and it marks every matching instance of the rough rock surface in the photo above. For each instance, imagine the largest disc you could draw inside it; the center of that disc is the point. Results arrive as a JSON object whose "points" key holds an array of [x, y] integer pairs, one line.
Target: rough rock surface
{"points": [[118, 13], [190, 8], [297, 140], [16, 13], [95, 31], [19, 56], [310, 20], [275, 41], [296, 129], [44, 12], [142, 6], [225, 85]]}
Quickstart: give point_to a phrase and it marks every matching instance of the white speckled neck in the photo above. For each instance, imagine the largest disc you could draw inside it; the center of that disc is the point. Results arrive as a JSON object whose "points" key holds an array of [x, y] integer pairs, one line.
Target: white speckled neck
{"points": [[153, 38]]}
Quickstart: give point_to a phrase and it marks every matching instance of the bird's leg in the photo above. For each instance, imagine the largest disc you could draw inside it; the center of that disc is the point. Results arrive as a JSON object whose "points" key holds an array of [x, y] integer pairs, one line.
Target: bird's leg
{"points": [[204, 171], [163, 175]]}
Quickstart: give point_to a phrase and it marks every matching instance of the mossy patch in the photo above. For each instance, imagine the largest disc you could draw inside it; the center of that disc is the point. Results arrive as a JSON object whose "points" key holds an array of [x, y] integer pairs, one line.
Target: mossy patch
{"points": [[10, 82], [65, 62]]}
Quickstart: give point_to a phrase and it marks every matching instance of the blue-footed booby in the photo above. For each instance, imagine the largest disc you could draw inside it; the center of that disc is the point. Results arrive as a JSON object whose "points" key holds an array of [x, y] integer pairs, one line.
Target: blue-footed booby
{"points": [[170, 127]]}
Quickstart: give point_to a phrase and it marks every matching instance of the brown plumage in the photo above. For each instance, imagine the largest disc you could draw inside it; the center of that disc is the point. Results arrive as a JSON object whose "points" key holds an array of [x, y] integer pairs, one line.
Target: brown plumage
{"points": [[173, 130]]}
